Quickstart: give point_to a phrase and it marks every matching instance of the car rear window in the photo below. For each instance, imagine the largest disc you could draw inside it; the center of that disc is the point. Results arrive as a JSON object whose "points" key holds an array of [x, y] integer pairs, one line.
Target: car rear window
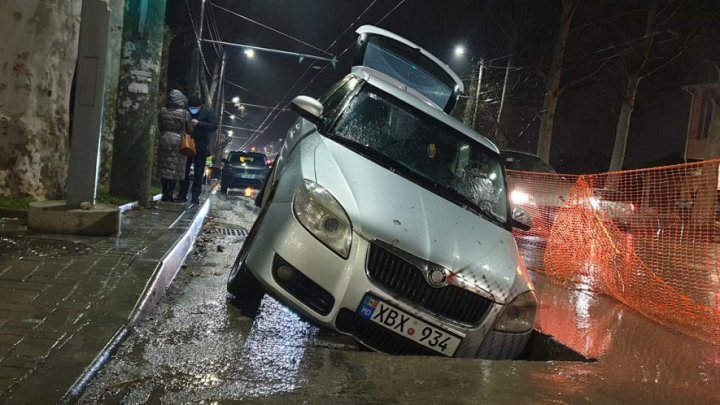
{"points": [[249, 159]]}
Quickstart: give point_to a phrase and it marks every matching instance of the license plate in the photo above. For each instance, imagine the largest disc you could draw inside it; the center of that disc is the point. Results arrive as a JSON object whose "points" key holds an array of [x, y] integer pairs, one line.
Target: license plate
{"points": [[402, 323]]}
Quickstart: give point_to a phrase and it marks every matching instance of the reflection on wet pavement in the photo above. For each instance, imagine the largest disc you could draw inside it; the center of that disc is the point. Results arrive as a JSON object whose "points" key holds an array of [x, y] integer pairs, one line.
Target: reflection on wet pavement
{"points": [[196, 347], [639, 358], [275, 348], [19, 247]]}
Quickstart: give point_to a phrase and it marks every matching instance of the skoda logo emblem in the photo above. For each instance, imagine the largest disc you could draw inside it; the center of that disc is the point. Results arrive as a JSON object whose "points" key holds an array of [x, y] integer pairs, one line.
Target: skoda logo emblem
{"points": [[436, 277]]}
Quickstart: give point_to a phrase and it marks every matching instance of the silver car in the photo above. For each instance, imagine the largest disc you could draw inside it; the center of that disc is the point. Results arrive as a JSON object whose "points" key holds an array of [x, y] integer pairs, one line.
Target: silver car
{"points": [[386, 219]]}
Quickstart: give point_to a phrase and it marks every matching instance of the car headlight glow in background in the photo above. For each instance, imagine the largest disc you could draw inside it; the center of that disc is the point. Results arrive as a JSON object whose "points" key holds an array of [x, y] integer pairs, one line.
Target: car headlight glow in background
{"points": [[320, 213], [519, 197]]}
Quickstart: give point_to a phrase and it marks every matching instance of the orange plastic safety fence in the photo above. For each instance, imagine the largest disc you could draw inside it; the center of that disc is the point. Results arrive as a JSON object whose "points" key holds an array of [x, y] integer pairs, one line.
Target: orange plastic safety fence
{"points": [[649, 238]]}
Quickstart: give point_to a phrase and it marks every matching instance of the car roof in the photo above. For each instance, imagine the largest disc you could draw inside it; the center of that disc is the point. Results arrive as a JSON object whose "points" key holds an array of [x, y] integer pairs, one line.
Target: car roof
{"points": [[415, 99]]}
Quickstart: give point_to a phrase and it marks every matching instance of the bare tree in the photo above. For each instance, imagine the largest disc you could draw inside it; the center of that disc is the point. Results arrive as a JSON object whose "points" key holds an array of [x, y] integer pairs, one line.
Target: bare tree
{"points": [[552, 80], [640, 69]]}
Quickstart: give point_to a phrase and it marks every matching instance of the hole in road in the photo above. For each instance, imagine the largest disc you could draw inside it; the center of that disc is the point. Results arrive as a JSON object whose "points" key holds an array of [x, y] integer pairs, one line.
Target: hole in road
{"points": [[542, 347]]}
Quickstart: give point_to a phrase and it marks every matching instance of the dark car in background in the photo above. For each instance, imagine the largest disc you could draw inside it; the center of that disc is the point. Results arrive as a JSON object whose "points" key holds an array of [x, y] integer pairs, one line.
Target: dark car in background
{"points": [[244, 170], [535, 186], [524, 162]]}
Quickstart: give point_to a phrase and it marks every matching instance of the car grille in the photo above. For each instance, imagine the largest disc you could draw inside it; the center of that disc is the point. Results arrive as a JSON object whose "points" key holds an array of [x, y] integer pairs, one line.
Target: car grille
{"points": [[377, 337], [401, 277]]}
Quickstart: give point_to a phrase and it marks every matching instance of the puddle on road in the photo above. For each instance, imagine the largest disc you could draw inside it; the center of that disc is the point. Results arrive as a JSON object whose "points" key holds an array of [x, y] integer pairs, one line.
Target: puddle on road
{"points": [[20, 247], [274, 319]]}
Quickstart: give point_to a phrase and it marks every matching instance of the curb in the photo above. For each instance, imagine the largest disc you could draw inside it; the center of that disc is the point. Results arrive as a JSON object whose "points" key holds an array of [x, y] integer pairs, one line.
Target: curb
{"points": [[163, 275]]}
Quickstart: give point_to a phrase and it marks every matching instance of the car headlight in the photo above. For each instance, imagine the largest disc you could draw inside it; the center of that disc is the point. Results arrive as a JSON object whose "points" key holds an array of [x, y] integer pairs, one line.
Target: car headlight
{"points": [[519, 316], [519, 197], [320, 213]]}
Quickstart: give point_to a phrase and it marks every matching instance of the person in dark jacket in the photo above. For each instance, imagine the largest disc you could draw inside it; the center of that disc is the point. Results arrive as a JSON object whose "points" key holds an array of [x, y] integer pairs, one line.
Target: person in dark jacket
{"points": [[174, 120], [204, 123]]}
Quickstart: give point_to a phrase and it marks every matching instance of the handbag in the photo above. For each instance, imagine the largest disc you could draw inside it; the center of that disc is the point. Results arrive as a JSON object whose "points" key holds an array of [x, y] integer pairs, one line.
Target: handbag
{"points": [[187, 144]]}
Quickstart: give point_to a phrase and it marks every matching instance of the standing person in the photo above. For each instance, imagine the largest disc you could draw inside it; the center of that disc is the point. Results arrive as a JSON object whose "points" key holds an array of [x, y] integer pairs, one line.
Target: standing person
{"points": [[173, 121], [204, 123]]}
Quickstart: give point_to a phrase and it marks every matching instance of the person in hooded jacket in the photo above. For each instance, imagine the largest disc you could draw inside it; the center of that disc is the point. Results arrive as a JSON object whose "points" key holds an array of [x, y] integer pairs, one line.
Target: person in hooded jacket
{"points": [[174, 120], [204, 123]]}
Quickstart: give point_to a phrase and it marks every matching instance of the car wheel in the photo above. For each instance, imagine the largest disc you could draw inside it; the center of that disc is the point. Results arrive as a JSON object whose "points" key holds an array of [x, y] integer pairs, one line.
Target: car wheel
{"points": [[242, 286]]}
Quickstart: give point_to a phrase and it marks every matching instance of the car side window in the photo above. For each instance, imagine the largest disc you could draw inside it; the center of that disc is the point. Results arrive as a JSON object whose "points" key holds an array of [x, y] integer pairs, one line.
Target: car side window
{"points": [[332, 101]]}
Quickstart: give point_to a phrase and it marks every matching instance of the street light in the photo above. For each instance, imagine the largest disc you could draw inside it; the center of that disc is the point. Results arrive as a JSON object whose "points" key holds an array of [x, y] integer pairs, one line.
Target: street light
{"points": [[235, 100], [250, 53], [230, 132], [459, 50], [232, 116]]}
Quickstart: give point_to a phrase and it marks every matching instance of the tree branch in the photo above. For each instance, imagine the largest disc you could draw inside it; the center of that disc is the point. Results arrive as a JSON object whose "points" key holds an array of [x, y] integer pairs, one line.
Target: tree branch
{"points": [[587, 76], [669, 61]]}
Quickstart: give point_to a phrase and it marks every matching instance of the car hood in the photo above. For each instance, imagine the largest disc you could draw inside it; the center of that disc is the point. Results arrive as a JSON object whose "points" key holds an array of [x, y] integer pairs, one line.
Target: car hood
{"points": [[385, 206]]}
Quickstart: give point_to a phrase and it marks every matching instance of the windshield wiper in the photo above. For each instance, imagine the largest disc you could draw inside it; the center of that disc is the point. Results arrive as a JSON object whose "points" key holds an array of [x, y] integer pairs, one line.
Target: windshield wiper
{"points": [[453, 195], [366, 151]]}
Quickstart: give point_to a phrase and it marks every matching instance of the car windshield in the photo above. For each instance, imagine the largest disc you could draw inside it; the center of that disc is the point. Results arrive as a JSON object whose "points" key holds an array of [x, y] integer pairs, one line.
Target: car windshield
{"points": [[424, 150], [246, 159], [525, 162]]}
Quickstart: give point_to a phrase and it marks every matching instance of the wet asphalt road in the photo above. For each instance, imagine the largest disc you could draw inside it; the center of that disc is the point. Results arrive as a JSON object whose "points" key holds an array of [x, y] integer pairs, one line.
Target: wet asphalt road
{"points": [[196, 347]]}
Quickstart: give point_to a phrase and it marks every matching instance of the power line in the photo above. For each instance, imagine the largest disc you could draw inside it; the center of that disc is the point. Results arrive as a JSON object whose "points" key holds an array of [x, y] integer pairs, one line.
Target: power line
{"points": [[306, 71], [267, 107], [267, 27], [259, 134], [212, 22], [197, 40], [245, 89]]}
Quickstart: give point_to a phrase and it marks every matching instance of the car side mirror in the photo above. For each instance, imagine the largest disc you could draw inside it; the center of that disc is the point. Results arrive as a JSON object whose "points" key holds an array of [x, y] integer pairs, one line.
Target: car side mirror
{"points": [[308, 108], [521, 219]]}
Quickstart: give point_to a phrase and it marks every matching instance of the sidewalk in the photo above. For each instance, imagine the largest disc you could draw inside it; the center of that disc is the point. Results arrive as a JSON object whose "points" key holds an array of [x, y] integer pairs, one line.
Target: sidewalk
{"points": [[67, 301]]}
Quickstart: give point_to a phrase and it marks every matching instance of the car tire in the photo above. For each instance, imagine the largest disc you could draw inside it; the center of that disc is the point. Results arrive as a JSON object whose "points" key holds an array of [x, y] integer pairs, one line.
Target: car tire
{"points": [[242, 286]]}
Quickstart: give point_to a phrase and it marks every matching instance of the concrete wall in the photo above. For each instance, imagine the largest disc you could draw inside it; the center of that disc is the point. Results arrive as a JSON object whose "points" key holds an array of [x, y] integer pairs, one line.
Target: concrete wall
{"points": [[37, 58]]}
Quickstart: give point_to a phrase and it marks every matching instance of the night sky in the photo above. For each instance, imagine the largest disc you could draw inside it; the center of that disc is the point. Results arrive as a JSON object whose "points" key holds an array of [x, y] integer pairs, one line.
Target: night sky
{"points": [[585, 124]]}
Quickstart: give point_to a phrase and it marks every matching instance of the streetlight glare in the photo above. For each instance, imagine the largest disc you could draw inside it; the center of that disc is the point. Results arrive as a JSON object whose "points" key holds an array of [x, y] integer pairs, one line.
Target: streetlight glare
{"points": [[250, 53], [232, 117], [230, 132], [459, 50], [235, 99]]}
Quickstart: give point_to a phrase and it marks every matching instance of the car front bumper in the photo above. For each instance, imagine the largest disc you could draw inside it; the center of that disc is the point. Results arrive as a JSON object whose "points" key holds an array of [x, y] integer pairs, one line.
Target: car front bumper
{"points": [[332, 289]]}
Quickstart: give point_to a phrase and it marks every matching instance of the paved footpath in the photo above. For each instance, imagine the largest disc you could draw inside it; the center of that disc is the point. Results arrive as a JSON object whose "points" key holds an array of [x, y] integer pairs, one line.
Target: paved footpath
{"points": [[66, 301]]}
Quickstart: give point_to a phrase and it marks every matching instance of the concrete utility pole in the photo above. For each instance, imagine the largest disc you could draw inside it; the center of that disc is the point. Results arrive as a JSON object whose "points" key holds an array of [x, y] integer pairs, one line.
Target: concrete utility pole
{"points": [[477, 92], [220, 108], [88, 108], [64, 216], [143, 35]]}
